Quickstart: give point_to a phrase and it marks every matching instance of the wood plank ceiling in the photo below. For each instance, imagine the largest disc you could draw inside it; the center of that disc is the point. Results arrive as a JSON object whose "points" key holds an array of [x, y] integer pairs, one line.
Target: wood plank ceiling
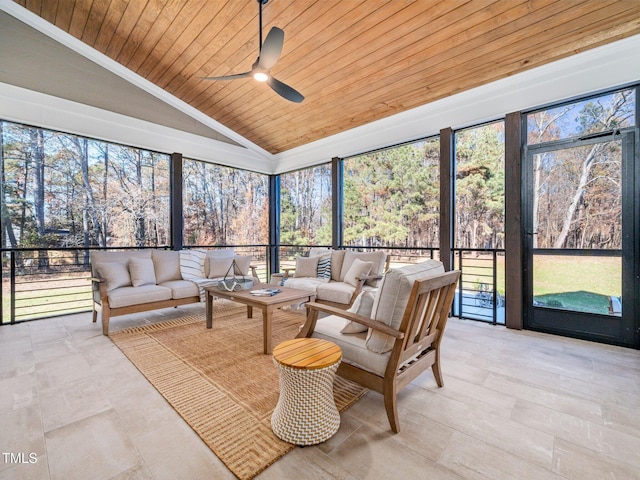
{"points": [[355, 61]]}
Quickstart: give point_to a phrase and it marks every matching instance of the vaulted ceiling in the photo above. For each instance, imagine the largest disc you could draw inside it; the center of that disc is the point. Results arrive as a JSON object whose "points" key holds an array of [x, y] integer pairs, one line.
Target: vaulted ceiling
{"points": [[355, 61]]}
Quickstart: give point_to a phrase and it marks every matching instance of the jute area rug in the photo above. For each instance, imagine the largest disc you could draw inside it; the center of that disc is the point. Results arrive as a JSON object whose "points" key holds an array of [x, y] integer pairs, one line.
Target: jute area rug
{"points": [[219, 380]]}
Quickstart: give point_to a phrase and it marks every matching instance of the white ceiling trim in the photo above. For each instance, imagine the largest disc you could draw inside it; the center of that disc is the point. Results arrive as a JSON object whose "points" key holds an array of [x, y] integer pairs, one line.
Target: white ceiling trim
{"points": [[34, 108], [598, 69], [90, 53]]}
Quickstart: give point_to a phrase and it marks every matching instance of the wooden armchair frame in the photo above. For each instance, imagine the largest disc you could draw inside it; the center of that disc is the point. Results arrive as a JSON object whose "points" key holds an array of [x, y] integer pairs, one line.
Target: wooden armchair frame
{"points": [[417, 340]]}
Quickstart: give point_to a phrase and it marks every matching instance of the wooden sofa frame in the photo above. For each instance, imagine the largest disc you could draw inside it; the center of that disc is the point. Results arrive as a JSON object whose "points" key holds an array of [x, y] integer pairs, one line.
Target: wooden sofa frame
{"points": [[107, 312]]}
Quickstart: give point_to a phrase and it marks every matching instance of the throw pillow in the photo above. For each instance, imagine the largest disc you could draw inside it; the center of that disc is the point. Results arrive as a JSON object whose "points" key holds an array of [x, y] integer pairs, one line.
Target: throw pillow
{"points": [[142, 272], [357, 270], [243, 262], [361, 306], [115, 273], [323, 271], [306, 267], [219, 266], [192, 264]]}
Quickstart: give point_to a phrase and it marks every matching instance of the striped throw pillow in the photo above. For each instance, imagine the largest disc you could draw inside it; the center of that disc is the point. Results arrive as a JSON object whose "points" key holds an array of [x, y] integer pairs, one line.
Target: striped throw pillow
{"points": [[192, 264], [324, 268]]}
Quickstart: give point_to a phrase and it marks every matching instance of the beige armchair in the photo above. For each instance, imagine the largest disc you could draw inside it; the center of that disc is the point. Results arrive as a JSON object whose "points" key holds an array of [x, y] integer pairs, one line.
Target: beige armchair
{"points": [[388, 342]]}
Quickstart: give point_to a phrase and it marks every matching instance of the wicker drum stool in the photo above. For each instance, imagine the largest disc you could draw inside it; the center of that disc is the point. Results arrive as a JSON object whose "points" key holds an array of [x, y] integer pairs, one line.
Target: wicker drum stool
{"points": [[306, 413]]}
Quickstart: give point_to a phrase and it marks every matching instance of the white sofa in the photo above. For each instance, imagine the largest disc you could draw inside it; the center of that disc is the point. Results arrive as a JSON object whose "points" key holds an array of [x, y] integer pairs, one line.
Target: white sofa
{"points": [[127, 282], [336, 276]]}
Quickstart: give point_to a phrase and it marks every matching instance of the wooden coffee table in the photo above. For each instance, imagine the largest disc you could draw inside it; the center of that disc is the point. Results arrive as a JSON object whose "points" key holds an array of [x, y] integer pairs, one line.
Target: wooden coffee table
{"points": [[287, 296]]}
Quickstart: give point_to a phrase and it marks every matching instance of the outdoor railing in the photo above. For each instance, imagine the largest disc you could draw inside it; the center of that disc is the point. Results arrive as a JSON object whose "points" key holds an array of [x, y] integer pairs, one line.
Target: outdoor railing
{"points": [[43, 283], [480, 295]]}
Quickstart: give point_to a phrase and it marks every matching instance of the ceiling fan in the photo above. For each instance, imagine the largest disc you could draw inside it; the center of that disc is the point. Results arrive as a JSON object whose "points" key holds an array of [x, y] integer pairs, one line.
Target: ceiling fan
{"points": [[268, 55]]}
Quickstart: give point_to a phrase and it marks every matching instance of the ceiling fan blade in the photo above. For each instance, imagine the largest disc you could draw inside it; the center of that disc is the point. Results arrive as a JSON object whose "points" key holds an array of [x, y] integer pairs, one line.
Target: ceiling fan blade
{"points": [[284, 90], [271, 48], [229, 77]]}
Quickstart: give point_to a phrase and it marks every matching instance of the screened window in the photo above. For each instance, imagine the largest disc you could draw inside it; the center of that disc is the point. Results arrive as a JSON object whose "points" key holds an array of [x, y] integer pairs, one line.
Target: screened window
{"points": [[61, 190], [479, 187], [224, 205], [392, 197], [305, 206], [600, 114]]}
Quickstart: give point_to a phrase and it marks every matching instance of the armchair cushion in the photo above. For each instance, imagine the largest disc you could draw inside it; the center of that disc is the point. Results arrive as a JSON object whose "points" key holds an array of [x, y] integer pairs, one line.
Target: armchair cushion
{"points": [[142, 272], [353, 346], [393, 295], [357, 270]]}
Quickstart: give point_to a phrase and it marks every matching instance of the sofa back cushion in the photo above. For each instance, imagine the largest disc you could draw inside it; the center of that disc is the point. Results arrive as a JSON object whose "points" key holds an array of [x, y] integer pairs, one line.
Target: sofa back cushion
{"points": [[166, 264], [393, 295], [216, 253], [99, 256], [219, 267], [243, 263]]}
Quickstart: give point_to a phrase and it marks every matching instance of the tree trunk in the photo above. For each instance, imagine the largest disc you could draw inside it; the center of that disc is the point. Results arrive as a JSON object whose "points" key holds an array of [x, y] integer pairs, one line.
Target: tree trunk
{"points": [[577, 195], [37, 149]]}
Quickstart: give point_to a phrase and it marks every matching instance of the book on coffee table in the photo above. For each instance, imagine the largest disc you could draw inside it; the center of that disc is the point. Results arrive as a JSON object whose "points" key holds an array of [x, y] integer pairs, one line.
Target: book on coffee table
{"points": [[265, 292]]}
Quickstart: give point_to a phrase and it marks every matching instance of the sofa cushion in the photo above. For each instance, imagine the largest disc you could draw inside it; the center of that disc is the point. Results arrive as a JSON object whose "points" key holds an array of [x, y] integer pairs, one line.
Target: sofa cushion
{"points": [[116, 274], [142, 272], [307, 267], [310, 284], [127, 296], [363, 305], [378, 258], [353, 347], [181, 288], [166, 264], [393, 295], [338, 292], [219, 266], [358, 270], [100, 256]]}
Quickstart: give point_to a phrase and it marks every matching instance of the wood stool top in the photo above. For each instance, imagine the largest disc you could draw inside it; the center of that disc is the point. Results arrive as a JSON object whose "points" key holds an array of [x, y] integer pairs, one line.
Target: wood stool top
{"points": [[307, 353]]}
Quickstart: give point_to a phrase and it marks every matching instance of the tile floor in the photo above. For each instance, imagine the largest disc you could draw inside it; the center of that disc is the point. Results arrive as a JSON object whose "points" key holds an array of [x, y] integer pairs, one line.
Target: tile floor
{"points": [[515, 405]]}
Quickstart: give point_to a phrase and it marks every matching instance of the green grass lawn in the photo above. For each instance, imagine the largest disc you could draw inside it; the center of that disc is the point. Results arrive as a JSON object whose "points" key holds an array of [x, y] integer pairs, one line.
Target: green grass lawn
{"points": [[576, 283]]}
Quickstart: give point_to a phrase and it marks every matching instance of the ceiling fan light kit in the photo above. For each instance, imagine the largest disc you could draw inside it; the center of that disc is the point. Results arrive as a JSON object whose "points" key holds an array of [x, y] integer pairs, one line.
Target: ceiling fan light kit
{"points": [[268, 56]]}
